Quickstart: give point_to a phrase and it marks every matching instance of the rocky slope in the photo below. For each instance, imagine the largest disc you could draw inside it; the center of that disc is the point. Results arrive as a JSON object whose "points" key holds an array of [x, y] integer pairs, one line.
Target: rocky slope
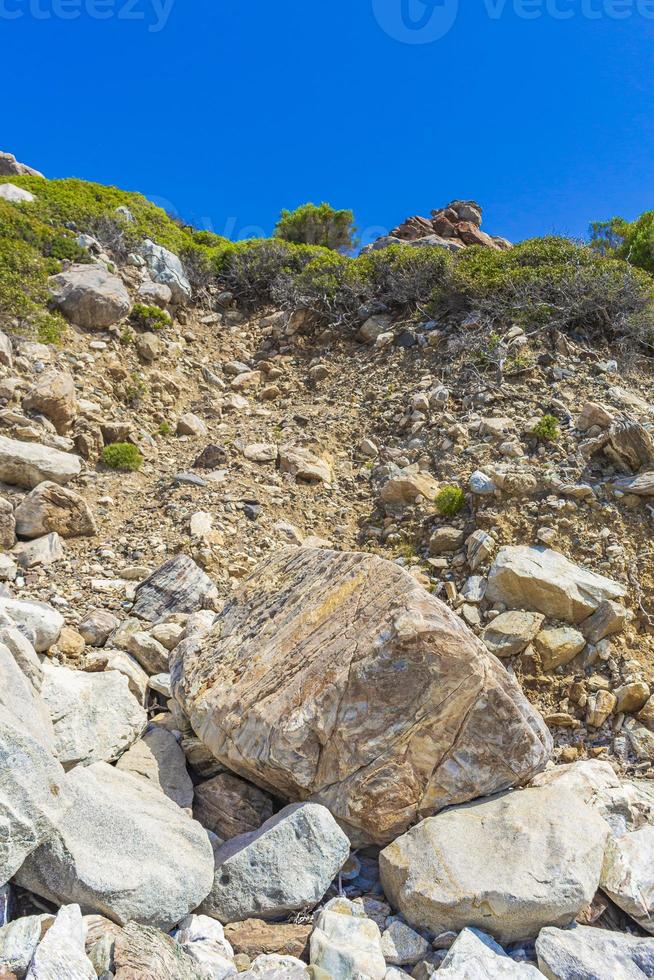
{"points": [[351, 674]]}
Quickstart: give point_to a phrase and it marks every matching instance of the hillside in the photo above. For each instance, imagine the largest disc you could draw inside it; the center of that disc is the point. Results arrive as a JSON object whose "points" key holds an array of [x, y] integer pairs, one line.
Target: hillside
{"points": [[321, 549]]}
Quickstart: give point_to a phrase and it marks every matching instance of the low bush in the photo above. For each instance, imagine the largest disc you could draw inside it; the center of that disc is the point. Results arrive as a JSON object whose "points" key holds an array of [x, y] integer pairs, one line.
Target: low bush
{"points": [[149, 317], [123, 456], [547, 429], [450, 501], [405, 278], [554, 283]]}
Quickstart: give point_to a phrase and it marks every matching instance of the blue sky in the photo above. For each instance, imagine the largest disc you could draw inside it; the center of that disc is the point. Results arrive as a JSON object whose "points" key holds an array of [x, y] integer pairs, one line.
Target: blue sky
{"points": [[227, 110]]}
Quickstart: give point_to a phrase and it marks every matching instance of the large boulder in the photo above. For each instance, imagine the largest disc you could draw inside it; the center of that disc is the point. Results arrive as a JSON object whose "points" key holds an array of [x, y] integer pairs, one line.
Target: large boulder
{"points": [[166, 268], [144, 953], [90, 296], [26, 464], [53, 395], [122, 850], [584, 953], [333, 676], [546, 581], [51, 508], [95, 716], [628, 875], [286, 865], [509, 865], [346, 944]]}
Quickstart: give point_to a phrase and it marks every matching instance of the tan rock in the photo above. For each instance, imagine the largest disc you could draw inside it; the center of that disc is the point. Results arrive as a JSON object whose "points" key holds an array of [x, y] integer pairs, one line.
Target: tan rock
{"points": [[632, 697], [254, 937], [601, 706], [53, 395], [646, 715], [511, 633], [304, 465], [445, 540], [546, 581], [333, 676], [70, 642], [409, 486], [558, 646], [49, 508], [229, 806], [190, 425], [609, 618]]}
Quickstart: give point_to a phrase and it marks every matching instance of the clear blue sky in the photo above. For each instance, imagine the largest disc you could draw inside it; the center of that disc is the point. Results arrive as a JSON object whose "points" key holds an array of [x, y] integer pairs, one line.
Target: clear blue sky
{"points": [[231, 110]]}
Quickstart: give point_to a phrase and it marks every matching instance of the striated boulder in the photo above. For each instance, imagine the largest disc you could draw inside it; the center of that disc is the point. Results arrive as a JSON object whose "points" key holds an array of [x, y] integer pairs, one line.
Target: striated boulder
{"points": [[122, 850], [177, 586], [335, 677], [508, 865], [547, 582], [95, 716], [26, 464], [144, 953], [90, 297], [51, 508], [254, 936], [286, 865], [53, 395]]}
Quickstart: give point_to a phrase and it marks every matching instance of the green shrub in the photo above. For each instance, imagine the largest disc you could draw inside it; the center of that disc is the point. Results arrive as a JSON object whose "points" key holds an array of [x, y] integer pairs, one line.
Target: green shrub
{"points": [[450, 500], [556, 283], [328, 286], [165, 429], [253, 269], [403, 277], [320, 225], [51, 330], [122, 456], [547, 428], [149, 317]]}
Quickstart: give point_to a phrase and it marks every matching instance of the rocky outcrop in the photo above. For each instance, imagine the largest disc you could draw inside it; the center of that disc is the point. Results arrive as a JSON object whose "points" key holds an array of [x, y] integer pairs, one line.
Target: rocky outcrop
{"points": [[122, 850], [49, 508], [90, 297], [286, 865], [508, 865], [454, 227], [335, 677], [26, 464], [546, 581], [9, 166]]}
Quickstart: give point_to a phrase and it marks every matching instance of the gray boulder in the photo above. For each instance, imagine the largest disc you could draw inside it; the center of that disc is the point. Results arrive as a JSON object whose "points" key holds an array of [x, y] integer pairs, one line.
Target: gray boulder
{"points": [[95, 716], [177, 586], [90, 297], [475, 956], [286, 865], [166, 268], [508, 865], [584, 953], [18, 942], [26, 464], [122, 850], [158, 758]]}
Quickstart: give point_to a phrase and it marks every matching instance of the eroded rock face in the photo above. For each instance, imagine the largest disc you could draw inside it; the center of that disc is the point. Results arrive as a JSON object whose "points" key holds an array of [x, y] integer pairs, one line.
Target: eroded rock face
{"points": [[546, 581], [333, 676], [90, 297], [123, 850], [509, 865]]}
